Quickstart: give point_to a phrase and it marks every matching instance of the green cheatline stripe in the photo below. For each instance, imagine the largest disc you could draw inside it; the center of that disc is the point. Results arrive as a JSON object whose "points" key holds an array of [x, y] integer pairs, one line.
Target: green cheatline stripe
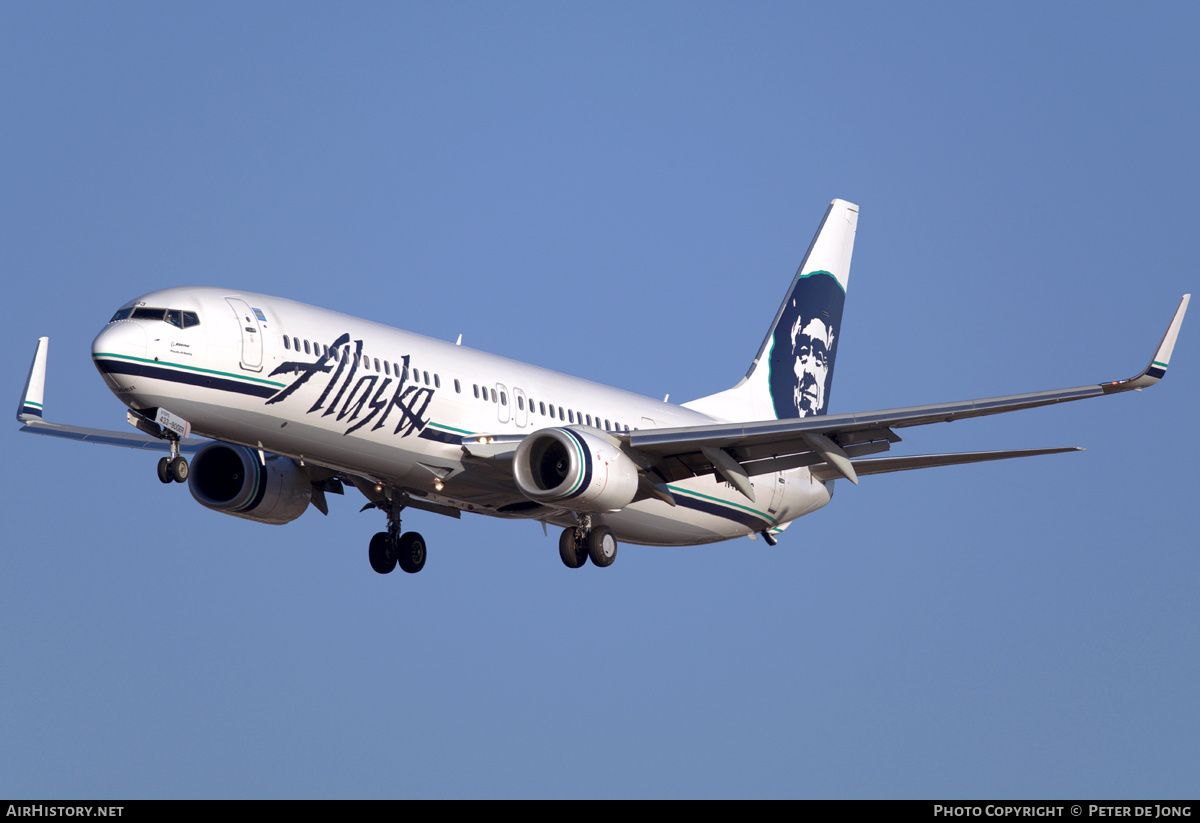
{"points": [[1156, 363], [754, 512], [449, 428], [189, 368], [31, 403]]}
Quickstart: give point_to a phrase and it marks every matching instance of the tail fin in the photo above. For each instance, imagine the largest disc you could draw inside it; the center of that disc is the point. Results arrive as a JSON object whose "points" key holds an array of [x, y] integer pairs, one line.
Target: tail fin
{"points": [[793, 372]]}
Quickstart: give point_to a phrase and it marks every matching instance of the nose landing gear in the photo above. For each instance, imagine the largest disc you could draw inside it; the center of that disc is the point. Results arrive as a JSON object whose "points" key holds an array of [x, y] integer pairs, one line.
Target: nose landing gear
{"points": [[173, 468]]}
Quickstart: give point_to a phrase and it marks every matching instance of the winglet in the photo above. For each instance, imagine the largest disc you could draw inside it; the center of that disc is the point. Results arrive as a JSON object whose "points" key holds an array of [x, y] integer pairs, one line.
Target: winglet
{"points": [[35, 385], [1157, 367]]}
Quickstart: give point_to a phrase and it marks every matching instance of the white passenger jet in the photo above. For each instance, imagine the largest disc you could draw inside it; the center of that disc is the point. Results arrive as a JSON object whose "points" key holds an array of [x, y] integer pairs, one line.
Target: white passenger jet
{"points": [[296, 401]]}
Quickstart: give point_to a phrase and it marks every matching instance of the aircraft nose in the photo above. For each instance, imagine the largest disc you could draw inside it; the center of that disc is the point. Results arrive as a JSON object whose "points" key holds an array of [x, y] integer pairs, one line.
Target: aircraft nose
{"points": [[122, 340]]}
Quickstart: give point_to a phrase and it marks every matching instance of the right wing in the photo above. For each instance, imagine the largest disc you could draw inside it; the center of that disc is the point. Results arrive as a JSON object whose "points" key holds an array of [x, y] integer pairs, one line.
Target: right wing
{"points": [[29, 413]]}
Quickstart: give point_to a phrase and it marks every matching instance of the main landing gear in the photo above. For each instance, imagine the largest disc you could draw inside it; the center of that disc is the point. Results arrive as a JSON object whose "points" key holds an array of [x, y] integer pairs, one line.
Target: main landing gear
{"points": [[391, 548], [173, 469], [578, 543]]}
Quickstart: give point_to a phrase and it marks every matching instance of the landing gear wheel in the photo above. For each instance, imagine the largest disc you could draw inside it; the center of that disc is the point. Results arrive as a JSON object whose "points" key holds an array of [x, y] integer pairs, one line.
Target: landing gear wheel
{"points": [[164, 470], [383, 558], [410, 552], [178, 468], [570, 548], [602, 546]]}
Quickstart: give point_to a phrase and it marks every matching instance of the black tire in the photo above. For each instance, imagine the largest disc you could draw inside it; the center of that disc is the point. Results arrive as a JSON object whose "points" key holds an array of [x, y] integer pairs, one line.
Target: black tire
{"points": [[164, 470], [179, 469], [383, 558], [602, 546], [569, 549], [410, 552]]}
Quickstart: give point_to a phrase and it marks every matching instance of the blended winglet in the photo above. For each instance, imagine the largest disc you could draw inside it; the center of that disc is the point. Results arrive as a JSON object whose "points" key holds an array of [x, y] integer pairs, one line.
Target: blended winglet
{"points": [[1157, 366], [33, 397]]}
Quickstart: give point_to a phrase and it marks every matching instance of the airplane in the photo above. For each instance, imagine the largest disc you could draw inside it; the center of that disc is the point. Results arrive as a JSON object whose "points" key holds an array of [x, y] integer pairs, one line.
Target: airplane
{"points": [[279, 403]]}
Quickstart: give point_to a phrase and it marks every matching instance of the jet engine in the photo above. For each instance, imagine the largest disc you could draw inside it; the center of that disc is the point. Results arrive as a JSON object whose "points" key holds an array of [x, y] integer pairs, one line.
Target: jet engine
{"points": [[575, 469], [232, 480]]}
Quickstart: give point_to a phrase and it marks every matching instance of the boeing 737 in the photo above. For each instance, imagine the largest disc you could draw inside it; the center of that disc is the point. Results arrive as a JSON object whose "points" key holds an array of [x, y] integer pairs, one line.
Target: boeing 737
{"points": [[279, 403]]}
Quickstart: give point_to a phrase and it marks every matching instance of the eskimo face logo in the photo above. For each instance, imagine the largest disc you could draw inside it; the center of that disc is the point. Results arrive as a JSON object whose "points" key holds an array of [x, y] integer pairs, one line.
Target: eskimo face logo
{"points": [[804, 346], [366, 398]]}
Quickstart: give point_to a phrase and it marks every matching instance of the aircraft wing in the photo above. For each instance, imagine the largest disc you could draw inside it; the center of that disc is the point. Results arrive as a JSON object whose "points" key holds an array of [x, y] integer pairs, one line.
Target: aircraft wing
{"points": [[883, 465], [736, 451], [29, 413]]}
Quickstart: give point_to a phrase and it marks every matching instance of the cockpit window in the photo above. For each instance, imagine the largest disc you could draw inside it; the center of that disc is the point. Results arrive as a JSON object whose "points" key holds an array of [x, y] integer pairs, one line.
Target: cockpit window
{"points": [[181, 319]]}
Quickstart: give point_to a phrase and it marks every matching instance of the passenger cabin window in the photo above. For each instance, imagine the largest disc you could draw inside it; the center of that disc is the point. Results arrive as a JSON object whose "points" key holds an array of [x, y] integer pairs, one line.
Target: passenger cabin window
{"points": [[287, 344], [457, 387]]}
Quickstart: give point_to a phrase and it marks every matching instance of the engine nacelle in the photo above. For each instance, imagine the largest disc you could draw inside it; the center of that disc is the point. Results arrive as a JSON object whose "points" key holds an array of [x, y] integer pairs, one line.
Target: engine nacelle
{"points": [[230, 479], [575, 469]]}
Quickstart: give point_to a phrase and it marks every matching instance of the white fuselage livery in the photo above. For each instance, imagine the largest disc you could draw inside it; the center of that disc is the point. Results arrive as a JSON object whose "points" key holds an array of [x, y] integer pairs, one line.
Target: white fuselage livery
{"points": [[369, 400]]}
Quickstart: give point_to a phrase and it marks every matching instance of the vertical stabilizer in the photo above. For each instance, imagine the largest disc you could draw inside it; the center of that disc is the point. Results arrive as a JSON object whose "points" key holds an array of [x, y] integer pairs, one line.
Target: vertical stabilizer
{"points": [[793, 372]]}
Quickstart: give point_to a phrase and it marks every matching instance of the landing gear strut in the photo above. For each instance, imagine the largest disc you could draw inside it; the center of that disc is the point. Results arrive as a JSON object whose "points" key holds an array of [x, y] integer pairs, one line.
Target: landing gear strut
{"points": [[175, 467], [391, 548], [578, 543]]}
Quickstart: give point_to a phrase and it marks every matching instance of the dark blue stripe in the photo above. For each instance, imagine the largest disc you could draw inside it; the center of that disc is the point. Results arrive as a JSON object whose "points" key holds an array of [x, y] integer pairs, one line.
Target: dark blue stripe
{"points": [[587, 464], [32, 411], [430, 433], [208, 381], [708, 507], [1155, 371]]}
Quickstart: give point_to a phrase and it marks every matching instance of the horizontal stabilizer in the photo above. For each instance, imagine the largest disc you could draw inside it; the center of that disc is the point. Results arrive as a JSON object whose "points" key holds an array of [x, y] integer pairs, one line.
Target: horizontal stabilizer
{"points": [[883, 465]]}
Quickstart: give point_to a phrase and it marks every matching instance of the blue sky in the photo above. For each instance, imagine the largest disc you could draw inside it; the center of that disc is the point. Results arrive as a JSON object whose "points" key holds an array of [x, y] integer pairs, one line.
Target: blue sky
{"points": [[619, 191]]}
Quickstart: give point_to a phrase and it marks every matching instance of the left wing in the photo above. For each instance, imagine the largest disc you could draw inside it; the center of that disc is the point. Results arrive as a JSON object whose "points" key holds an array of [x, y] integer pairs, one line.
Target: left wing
{"points": [[32, 405], [738, 450]]}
